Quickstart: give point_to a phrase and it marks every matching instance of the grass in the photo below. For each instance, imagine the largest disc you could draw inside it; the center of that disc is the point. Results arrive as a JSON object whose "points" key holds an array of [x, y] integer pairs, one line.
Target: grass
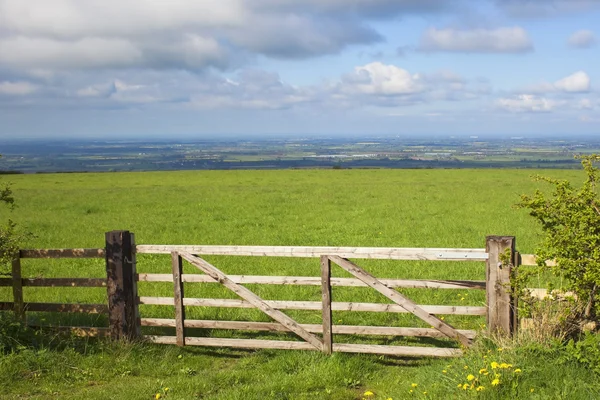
{"points": [[383, 208]]}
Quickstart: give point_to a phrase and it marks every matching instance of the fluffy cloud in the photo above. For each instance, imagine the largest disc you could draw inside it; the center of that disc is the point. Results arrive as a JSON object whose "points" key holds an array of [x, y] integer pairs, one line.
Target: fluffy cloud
{"points": [[381, 79], [578, 82], [526, 103], [388, 85], [500, 40], [582, 39], [575, 83], [186, 34]]}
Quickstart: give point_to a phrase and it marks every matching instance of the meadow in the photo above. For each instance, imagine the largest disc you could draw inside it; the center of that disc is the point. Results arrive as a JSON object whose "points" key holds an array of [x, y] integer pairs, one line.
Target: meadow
{"points": [[374, 208]]}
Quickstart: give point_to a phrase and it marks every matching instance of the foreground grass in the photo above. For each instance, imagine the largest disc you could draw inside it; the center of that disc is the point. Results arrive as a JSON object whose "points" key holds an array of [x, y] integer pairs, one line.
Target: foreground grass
{"points": [[396, 208], [104, 371]]}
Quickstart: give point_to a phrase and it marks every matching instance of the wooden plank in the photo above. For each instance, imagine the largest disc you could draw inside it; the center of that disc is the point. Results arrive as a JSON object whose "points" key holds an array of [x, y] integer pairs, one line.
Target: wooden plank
{"points": [[499, 301], [384, 253], [316, 281], [64, 282], [401, 300], [531, 260], [313, 328], [178, 296], [81, 331], [57, 282], [541, 293], [326, 304], [17, 289], [252, 298], [402, 351], [62, 253], [137, 328], [121, 289], [59, 307], [407, 351], [315, 305]]}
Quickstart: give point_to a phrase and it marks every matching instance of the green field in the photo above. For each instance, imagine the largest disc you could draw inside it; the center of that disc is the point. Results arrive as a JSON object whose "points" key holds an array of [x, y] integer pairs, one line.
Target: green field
{"points": [[379, 208]]}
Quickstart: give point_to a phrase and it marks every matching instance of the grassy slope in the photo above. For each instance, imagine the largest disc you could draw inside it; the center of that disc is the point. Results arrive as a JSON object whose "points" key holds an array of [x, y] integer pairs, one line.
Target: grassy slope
{"points": [[404, 208]]}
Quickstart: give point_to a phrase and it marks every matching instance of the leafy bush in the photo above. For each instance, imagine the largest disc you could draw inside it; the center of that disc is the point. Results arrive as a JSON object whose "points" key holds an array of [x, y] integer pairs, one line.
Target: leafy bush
{"points": [[586, 351], [570, 219]]}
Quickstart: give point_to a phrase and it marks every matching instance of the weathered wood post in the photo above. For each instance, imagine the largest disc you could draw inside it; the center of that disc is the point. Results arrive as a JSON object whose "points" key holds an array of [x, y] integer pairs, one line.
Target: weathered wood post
{"points": [[177, 266], [17, 287], [123, 315], [501, 314], [326, 301]]}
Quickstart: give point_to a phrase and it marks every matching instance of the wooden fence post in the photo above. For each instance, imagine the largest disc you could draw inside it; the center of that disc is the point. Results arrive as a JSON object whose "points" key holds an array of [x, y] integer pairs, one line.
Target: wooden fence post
{"points": [[501, 308], [17, 287], [177, 265], [121, 285], [326, 297]]}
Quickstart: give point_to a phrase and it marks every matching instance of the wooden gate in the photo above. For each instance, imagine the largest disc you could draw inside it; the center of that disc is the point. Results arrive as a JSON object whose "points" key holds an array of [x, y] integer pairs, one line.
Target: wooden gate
{"points": [[308, 332]]}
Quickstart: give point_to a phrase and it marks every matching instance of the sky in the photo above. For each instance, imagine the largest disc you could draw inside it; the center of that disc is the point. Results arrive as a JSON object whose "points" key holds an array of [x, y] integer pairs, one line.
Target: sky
{"points": [[217, 68]]}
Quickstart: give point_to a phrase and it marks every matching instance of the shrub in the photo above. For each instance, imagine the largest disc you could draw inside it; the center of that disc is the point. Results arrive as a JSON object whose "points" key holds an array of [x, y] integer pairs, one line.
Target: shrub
{"points": [[570, 220]]}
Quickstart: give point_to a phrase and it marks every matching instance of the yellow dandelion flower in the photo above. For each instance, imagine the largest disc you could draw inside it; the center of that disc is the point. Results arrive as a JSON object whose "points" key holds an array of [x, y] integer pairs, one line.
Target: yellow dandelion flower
{"points": [[442, 318], [483, 371], [157, 396], [531, 390], [410, 391], [494, 365], [414, 385], [505, 366], [470, 377], [462, 299], [465, 386], [466, 367], [459, 385], [518, 371], [444, 371], [480, 388], [368, 393], [389, 398], [496, 382], [500, 349], [166, 389], [425, 393]]}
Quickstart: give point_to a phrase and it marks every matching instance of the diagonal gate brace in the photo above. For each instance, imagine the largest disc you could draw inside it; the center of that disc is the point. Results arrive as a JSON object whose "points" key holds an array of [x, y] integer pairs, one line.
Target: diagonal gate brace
{"points": [[401, 300], [252, 298]]}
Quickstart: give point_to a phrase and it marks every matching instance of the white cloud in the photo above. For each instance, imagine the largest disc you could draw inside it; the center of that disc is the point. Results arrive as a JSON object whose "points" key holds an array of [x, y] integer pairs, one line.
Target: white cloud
{"points": [[582, 39], [17, 88], [577, 82], [574, 83], [501, 40], [526, 103], [186, 34], [381, 79]]}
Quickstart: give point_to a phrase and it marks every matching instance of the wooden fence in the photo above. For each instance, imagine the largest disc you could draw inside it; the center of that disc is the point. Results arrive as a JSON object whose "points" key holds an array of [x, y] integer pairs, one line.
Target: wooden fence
{"points": [[124, 321]]}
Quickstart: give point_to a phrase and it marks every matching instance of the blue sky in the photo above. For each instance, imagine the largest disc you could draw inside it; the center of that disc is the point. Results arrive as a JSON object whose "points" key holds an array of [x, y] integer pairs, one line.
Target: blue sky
{"points": [[213, 68]]}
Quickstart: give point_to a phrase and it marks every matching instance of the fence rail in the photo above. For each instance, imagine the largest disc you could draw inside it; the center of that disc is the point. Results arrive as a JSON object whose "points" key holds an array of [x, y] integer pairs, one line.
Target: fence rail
{"points": [[123, 303], [380, 253], [316, 281]]}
